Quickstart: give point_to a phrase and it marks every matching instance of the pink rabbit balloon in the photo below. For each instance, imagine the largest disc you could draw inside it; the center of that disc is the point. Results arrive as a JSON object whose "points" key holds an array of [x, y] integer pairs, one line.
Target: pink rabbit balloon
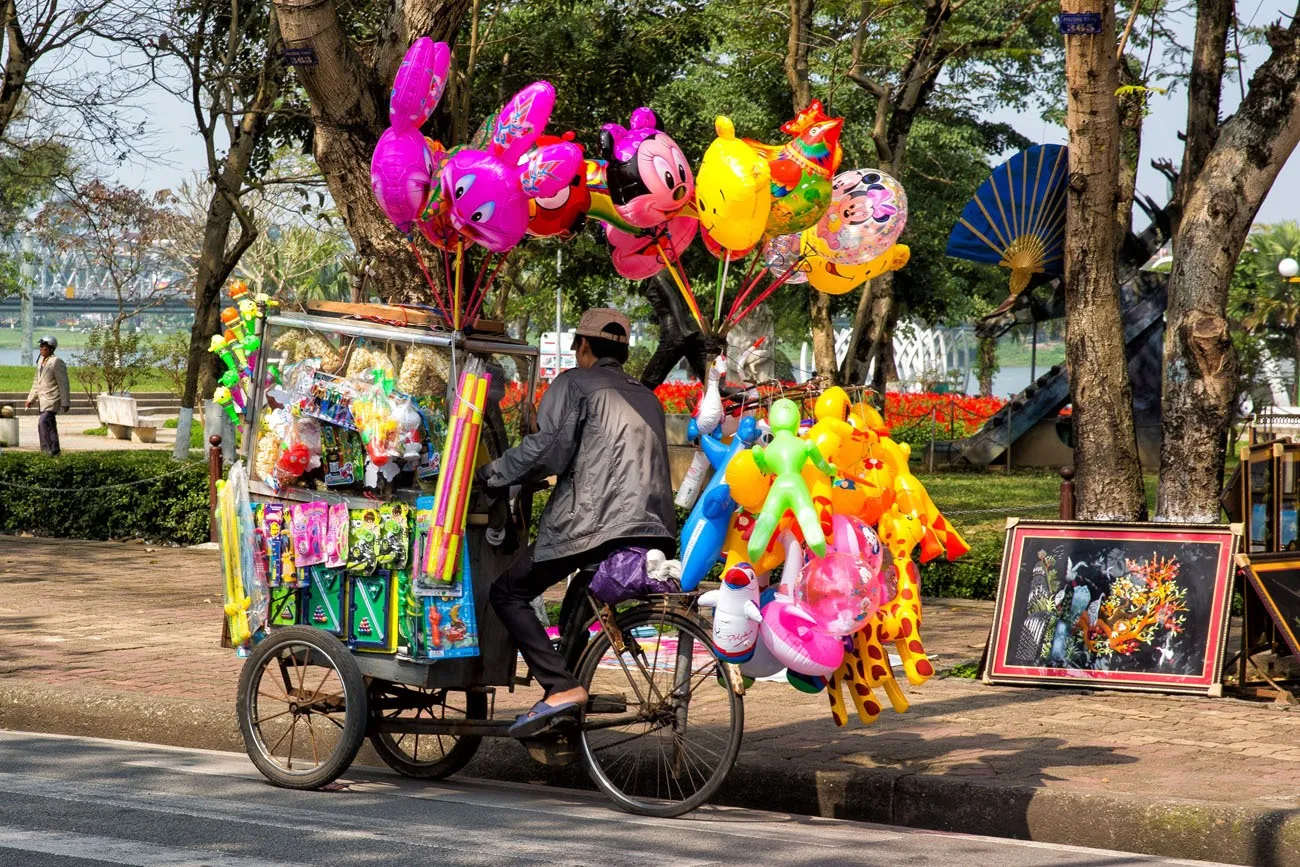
{"points": [[521, 121], [400, 173], [419, 83]]}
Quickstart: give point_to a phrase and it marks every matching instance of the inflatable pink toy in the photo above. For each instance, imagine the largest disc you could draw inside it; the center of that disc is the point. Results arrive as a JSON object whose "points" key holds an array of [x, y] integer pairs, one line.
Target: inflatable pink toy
{"points": [[791, 634], [419, 83], [648, 176], [839, 592], [854, 536]]}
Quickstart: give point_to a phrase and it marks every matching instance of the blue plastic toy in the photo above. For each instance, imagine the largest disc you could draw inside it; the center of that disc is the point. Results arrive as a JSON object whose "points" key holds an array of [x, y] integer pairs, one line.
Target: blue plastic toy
{"points": [[706, 528]]}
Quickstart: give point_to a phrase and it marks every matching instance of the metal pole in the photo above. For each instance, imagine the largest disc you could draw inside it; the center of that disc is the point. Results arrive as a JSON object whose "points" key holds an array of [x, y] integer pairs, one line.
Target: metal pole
{"points": [[559, 307], [934, 423], [1033, 355], [1010, 438], [27, 311], [214, 476]]}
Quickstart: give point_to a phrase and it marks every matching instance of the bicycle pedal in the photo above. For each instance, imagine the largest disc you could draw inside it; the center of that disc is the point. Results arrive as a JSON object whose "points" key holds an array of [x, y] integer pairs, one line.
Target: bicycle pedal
{"points": [[553, 750], [606, 704]]}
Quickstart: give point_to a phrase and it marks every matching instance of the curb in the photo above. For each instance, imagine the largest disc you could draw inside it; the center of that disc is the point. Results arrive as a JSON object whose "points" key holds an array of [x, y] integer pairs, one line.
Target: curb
{"points": [[1168, 827]]}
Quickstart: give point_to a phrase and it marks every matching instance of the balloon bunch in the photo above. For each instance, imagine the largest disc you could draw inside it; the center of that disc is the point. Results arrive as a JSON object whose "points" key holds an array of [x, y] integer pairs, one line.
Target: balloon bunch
{"points": [[831, 503], [237, 346], [485, 194]]}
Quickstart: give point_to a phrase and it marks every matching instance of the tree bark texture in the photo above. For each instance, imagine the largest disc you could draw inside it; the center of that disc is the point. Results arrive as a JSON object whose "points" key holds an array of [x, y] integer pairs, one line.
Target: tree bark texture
{"points": [[1131, 109], [987, 365], [823, 334], [349, 93], [1200, 375], [1205, 85], [1109, 476], [17, 64]]}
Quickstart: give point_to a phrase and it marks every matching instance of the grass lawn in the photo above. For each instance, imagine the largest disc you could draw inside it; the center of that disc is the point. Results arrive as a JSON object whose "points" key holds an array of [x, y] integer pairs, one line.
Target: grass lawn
{"points": [[19, 378], [1012, 354], [12, 338]]}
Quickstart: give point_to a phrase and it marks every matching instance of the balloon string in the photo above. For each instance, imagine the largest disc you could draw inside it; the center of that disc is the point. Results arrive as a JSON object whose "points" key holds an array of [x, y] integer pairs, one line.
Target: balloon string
{"points": [[722, 285], [682, 287], [747, 285], [762, 296], [488, 285], [428, 278], [460, 274], [474, 296], [446, 270]]}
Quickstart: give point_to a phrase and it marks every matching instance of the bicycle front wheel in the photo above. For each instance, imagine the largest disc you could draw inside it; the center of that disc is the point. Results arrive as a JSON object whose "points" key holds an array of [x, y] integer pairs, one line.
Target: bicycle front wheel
{"points": [[662, 729]]}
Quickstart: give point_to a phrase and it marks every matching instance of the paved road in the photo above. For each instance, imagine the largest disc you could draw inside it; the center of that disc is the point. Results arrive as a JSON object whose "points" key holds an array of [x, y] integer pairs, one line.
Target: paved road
{"points": [[78, 801]]}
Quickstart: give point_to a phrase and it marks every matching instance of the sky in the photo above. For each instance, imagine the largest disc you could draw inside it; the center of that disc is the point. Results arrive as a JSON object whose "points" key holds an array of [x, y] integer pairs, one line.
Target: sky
{"points": [[1159, 137]]}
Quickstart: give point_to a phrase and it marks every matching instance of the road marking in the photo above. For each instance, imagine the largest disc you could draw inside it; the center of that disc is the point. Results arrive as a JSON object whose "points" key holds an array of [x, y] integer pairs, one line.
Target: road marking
{"points": [[115, 850]]}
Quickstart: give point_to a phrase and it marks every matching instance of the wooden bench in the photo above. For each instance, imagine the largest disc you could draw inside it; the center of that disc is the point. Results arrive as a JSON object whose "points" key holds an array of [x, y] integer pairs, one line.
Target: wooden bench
{"points": [[122, 416]]}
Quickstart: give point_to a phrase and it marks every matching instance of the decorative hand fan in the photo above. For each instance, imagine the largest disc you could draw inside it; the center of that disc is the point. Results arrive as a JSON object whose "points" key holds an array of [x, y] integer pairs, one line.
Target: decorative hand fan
{"points": [[1017, 218]]}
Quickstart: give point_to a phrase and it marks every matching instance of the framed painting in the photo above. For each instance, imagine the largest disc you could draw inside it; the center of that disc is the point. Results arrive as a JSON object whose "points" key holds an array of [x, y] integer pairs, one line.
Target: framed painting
{"points": [[1113, 606], [1276, 578]]}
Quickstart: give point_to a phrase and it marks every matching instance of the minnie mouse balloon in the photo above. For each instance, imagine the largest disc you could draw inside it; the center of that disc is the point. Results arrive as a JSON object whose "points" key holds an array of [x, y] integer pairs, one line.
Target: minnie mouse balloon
{"points": [[867, 214], [646, 173], [419, 83], [400, 174]]}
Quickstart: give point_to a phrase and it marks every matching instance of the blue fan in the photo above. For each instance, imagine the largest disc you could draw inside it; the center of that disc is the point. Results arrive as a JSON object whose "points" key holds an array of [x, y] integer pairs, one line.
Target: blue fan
{"points": [[1017, 218]]}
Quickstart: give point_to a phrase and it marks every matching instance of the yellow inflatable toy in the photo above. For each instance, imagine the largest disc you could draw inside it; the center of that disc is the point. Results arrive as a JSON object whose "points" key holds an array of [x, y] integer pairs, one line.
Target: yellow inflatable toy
{"points": [[733, 192], [835, 279]]}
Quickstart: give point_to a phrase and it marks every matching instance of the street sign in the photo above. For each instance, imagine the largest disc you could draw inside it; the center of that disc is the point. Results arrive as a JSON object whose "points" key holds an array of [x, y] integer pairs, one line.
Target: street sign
{"points": [[303, 55], [1079, 23]]}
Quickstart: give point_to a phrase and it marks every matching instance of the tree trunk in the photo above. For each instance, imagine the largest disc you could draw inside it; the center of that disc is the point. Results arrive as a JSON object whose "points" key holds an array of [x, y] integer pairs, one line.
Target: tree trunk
{"points": [[17, 65], [823, 335], [349, 108], [1200, 375], [986, 365], [872, 335], [1204, 88], [1131, 109], [1109, 477]]}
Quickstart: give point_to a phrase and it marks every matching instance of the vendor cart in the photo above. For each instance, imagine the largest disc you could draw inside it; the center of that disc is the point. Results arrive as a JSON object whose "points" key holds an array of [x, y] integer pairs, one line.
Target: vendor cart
{"points": [[663, 725]]}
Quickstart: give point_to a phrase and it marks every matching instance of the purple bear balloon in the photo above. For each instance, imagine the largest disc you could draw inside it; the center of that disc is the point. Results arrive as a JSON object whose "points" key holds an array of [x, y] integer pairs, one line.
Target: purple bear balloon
{"points": [[419, 84], [403, 164]]}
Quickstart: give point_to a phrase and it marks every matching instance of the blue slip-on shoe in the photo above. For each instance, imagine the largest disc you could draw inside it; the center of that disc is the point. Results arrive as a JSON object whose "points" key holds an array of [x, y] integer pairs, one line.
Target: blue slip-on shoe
{"points": [[542, 718]]}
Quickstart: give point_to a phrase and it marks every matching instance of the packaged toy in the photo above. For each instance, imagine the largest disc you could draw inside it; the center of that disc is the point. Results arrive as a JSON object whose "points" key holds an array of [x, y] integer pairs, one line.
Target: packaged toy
{"points": [[336, 537], [371, 613], [310, 523], [323, 603], [363, 541], [394, 535]]}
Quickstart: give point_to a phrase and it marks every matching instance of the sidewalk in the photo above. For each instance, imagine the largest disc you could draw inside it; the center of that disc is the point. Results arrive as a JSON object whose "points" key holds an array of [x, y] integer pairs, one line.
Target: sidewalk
{"points": [[71, 438], [120, 640]]}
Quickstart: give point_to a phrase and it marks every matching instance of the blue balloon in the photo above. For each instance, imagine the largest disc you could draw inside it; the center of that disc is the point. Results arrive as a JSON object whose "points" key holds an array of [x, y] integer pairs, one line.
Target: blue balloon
{"points": [[706, 528]]}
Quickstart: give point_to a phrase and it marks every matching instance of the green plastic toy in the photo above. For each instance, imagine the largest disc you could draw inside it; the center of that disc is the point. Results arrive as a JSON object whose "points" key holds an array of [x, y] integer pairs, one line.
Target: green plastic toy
{"points": [[784, 458]]}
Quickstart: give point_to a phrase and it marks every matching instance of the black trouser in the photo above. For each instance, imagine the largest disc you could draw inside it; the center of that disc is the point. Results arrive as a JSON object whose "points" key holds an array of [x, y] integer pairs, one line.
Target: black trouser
{"points": [[48, 433], [513, 593]]}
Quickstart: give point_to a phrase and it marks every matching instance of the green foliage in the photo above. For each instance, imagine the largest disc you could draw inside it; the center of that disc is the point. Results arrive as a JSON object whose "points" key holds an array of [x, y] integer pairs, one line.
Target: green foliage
{"points": [[172, 356], [974, 576], [1263, 304], [100, 431], [66, 496], [114, 360]]}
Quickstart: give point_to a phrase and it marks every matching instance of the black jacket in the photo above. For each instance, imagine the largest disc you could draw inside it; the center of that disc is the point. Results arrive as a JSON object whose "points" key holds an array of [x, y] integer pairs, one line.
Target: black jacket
{"points": [[601, 434]]}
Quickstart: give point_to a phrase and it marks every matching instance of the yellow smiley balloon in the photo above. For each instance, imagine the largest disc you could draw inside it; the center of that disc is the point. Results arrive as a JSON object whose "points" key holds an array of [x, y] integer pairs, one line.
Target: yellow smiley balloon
{"points": [[733, 190], [835, 279]]}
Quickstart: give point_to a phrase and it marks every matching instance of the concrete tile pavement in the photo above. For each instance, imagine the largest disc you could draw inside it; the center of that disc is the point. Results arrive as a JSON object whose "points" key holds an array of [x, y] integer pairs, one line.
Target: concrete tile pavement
{"points": [[72, 439], [134, 629]]}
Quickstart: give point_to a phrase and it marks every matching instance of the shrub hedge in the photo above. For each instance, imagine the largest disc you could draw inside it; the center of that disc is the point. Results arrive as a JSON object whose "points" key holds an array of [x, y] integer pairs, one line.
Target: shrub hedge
{"points": [[69, 496]]}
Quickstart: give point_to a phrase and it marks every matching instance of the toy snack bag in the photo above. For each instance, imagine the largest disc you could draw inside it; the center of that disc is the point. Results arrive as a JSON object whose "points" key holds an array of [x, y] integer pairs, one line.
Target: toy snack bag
{"points": [[450, 627], [310, 523], [394, 535], [336, 537], [363, 542]]}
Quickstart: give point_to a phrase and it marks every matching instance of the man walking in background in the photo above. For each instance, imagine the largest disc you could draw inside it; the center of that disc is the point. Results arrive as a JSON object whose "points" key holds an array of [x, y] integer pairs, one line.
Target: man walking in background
{"points": [[51, 394]]}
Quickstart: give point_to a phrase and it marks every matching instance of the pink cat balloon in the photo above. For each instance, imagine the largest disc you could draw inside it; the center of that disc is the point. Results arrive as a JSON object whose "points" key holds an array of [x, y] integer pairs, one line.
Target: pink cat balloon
{"points": [[486, 193], [400, 173], [419, 83], [646, 172]]}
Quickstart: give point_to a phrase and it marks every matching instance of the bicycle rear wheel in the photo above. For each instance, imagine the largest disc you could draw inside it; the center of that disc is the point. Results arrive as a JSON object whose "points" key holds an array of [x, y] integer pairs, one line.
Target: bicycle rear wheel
{"points": [[661, 732]]}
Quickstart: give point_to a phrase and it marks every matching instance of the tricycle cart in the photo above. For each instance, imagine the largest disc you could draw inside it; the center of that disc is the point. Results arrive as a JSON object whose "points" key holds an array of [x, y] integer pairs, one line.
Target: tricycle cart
{"points": [[663, 725]]}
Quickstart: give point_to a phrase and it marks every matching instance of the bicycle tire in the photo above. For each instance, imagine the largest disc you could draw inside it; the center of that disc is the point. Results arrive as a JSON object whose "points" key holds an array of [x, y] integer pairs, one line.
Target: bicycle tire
{"points": [[627, 793]]}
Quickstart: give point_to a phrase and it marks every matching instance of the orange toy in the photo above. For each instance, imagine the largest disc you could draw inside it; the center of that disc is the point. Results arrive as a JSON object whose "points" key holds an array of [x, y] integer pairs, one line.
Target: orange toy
{"points": [[940, 538], [864, 417], [735, 548], [900, 618]]}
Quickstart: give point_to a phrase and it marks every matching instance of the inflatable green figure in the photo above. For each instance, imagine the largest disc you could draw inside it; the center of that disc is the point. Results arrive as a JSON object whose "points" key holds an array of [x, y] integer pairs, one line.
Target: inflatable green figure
{"points": [[785, 457]]}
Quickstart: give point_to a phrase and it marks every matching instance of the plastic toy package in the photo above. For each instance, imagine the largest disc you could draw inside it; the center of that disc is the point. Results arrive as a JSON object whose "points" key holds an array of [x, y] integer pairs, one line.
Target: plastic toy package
{"points": [[310, 523], [336, 538], [372, 616], [422, 583], [450, 628], [342, 457], [363, 542], [394, 545], [323, 602]]}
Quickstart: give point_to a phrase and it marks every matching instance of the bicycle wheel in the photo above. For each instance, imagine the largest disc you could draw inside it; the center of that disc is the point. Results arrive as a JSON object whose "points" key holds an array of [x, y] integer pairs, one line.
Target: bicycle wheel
{"points": [[424, 756], [302, 724], [661, 734]]}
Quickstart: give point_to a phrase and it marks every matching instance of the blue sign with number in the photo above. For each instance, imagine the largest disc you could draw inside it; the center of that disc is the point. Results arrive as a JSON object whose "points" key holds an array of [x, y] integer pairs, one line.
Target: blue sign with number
{"points": [[1079, 23]]}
